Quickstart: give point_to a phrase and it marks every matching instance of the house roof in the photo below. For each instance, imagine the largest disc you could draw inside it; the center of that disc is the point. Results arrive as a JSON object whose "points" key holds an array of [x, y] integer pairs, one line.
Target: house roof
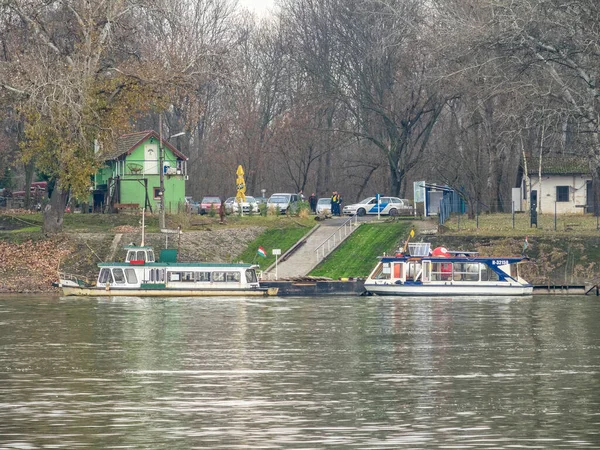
{"points": [[558, 165], [128, 142]]}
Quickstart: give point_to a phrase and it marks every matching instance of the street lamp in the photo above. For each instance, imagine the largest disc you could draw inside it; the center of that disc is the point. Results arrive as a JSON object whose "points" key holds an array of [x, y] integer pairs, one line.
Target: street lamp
{"points": [[162, 173]]}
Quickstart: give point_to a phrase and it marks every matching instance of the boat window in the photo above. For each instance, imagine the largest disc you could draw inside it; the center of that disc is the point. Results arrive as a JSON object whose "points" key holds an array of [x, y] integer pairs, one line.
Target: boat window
{"points": [[466, 271], [187, 276], [130, 256], [174, 276], [487, 274], [232, 276], [250, 275], [150, 256], [514, 271], [131, 276], [105, 276], [382, 272], [119, 276], [441, 271], [141, 255], [218, 276], [157, 275], [202, 276]]}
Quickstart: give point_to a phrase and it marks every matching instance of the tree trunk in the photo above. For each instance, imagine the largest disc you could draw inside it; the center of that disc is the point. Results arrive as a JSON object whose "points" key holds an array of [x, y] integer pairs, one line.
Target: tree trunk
{"points": [[29, 169], [54, 212]]}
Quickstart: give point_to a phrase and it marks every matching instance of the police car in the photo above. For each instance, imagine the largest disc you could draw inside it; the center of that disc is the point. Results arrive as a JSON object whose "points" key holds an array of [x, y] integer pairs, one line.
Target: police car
{"points": [[387, 206]]}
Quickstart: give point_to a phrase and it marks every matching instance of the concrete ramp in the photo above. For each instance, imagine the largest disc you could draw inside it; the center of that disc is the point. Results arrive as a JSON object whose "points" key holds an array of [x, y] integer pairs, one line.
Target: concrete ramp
{"points": [[302, 258]]}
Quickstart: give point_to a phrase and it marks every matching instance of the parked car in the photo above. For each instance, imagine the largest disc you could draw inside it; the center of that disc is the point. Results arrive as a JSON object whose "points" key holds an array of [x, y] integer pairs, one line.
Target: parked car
{"points": [[387, 206], [284, 202], [208, 202], [191, 205], [323, 206], [233, 207], [260, 200]]}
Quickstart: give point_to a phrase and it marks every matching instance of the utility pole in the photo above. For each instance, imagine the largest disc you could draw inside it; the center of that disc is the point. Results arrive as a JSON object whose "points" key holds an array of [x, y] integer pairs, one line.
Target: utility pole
{"points": [[161, 174]]}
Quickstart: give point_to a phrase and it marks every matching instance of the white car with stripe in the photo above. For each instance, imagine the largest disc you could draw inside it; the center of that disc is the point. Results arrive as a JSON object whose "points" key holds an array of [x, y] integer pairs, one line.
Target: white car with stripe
{"points": [[387, 206]]}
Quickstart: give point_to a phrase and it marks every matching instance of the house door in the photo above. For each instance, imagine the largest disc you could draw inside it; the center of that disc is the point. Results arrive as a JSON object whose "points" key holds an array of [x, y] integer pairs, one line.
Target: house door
{"points": [[589, 197], [151, 159], [533, 209]]}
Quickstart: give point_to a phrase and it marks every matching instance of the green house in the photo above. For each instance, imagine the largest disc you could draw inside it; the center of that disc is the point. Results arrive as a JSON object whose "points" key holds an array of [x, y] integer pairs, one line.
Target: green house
{"points": [[132, 174]]}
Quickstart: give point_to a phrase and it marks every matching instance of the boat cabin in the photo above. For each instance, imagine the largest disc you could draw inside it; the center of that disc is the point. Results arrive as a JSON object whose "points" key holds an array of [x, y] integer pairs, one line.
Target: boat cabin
{"points": [[139, 255], [422, 265], [141, 270]]}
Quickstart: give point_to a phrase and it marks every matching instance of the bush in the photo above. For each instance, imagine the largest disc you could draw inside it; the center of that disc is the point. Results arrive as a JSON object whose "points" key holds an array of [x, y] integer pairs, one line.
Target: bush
{"points": [[303, 208], [262, 209]]}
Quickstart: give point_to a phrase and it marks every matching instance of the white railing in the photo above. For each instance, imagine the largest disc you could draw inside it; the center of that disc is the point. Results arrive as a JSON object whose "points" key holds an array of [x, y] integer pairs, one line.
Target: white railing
{"points": [[334, 240]]}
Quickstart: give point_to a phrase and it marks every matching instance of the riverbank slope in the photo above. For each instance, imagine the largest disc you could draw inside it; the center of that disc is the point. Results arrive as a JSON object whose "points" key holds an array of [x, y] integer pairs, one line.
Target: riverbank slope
{"points": [[30, 262]]}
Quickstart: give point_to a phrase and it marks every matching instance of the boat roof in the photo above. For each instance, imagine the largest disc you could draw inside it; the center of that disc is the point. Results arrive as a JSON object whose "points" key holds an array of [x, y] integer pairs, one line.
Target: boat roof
{"points": [[138, 247], [458, 257], [183, 265]]}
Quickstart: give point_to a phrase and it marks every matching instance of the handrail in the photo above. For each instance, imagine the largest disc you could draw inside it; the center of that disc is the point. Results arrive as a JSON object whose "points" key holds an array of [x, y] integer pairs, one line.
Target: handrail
{"points": [[346, 228]]}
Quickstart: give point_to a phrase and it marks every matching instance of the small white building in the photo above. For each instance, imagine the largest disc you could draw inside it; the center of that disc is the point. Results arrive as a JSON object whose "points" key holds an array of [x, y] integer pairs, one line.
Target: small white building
{"points": [[564, 185]]}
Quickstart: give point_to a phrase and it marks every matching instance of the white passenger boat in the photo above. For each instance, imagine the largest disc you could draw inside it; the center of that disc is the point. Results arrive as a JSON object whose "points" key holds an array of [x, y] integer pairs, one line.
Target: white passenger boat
{"points": [[442, 272], [141, 275]]}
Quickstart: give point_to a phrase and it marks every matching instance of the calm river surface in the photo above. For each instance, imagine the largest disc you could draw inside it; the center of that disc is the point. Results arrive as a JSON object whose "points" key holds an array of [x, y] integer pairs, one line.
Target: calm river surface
{"points": [[310, 373]]}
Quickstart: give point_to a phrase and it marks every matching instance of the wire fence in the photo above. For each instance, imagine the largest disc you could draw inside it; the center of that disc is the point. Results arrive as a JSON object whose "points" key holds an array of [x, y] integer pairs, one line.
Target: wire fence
{"points": [[523, 222]]}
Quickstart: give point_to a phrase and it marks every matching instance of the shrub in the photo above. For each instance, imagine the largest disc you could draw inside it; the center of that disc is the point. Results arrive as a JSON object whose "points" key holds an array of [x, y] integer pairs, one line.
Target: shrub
{"points": [[262, 209]]}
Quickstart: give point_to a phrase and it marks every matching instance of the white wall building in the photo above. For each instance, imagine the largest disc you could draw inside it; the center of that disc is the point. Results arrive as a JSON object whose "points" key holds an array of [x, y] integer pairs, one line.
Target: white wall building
{"points": [[565, 185]]}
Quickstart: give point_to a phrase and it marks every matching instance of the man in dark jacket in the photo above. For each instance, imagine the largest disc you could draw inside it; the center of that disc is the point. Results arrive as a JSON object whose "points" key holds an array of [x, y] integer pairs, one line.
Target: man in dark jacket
{"points": [[312, 200]]}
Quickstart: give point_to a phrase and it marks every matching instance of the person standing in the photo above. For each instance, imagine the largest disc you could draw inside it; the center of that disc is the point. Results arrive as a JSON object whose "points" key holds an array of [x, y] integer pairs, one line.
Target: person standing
{"points": [[333, 204], [312, 200], [301, 195], [339, 204], [222, 212]]}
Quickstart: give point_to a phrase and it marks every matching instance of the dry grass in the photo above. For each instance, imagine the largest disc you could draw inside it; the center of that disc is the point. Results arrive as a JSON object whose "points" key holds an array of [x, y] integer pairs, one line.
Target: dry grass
{"points": [[506, 224]]}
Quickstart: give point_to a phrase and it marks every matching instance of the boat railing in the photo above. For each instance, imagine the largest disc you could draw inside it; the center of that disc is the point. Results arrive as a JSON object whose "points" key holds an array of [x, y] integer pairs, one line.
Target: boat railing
{"points": [[329, 244], [266, 276], [80, 280]]}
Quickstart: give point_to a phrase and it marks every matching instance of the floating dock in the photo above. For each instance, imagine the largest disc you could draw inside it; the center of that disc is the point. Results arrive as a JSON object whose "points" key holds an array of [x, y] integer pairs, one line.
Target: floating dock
{"points": [[565, 290], [317, 288], [307, 288]]}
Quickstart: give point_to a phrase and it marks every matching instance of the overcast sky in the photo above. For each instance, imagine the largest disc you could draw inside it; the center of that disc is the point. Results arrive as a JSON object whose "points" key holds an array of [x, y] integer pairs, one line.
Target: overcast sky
{"points": [[261, 7]]}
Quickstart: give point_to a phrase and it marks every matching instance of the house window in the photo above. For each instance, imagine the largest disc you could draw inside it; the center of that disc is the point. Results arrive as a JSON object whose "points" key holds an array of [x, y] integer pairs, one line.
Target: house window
{"points": [[156, 193], [562, 193]]}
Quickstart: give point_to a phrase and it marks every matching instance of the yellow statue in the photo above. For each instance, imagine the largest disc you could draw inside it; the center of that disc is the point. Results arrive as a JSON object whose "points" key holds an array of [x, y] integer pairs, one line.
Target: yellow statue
{"points": [[240, 185]]}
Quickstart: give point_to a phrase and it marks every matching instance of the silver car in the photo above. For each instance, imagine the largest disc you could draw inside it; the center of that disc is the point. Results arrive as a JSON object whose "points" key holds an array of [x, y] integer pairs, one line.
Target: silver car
{"points": [[232, 206], [323, 206], [284, 202]]}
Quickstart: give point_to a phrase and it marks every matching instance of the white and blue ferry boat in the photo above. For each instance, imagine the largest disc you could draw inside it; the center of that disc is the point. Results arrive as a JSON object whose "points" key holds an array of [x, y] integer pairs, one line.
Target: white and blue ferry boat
{"points": [[442, 272]]}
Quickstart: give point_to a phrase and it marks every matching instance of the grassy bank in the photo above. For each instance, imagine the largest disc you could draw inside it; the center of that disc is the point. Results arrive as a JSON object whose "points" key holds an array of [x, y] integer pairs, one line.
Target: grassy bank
{"points": [[358, 254], [281, 238]]}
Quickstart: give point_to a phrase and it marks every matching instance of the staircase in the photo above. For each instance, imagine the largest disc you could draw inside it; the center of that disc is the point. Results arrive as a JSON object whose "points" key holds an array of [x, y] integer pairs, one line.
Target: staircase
{"points": [[308, 252]]}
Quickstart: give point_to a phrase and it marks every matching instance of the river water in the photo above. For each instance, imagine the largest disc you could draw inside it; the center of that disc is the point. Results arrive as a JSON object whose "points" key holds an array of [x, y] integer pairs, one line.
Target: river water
{"points": [[310, 373]]}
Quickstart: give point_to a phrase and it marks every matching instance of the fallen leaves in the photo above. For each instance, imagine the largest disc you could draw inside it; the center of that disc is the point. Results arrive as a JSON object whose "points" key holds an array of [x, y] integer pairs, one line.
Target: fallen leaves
{"points": [[31, 266]]}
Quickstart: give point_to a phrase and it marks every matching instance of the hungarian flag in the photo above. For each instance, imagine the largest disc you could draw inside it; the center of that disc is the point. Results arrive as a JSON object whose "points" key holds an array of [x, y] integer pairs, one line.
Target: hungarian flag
{"points": [[261, 252]]}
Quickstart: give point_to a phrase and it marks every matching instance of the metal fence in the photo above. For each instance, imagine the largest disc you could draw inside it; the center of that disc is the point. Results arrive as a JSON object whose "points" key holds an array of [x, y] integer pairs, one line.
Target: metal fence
{"points": [[483, 219]]}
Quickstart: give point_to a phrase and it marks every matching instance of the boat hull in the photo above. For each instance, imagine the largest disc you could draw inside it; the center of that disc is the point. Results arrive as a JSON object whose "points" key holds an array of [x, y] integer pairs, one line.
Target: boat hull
{"points": [[448, 290], [102, 292]]}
